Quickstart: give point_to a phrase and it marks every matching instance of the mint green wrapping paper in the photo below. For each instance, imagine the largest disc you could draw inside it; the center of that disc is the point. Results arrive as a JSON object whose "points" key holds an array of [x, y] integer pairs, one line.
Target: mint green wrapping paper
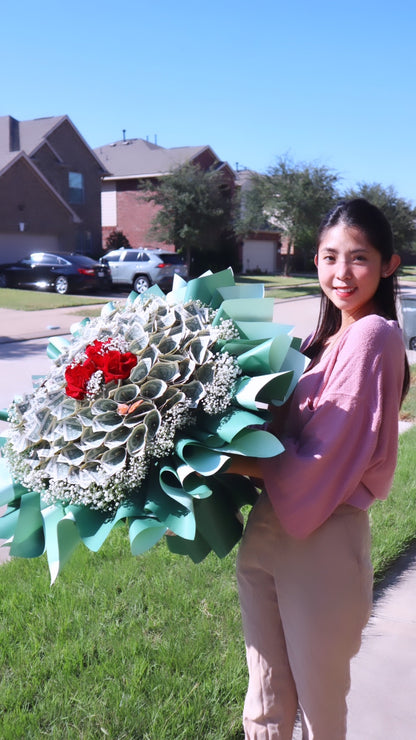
{"points": [[187, 495]]}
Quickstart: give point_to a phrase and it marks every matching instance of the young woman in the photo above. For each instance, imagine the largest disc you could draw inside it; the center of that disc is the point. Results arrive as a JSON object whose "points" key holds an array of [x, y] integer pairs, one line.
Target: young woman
{"points": [[304, 570]]}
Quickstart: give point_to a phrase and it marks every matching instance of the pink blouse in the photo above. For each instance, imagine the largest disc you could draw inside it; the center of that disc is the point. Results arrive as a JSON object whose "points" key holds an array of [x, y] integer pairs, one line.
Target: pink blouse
{"points": [[341, 433]]}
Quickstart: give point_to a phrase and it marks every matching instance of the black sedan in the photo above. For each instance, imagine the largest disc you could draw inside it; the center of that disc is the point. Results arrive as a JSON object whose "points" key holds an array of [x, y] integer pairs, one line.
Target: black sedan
{"points": [[63, 272]]}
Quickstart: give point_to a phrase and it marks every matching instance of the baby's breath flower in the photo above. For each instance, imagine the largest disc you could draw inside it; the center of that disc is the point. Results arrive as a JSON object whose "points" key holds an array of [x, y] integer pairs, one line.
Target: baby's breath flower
{"points": [[220, 391], [94, 384]]}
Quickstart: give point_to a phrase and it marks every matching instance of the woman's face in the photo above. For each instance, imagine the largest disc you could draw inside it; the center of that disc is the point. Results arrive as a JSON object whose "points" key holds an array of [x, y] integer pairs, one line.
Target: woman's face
{"points": [[349, 271]]}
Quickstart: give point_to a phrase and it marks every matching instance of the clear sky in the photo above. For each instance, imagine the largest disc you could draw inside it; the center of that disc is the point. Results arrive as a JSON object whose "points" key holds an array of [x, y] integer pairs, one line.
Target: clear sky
{"points": [[323, 81]]}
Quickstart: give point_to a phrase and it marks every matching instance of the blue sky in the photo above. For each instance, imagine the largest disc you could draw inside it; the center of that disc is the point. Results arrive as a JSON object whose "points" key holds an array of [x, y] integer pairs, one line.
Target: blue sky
{"points": [[325, 82]]}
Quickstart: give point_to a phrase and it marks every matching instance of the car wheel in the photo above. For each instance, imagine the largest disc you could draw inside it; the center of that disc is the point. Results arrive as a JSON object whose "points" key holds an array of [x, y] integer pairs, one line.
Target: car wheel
{"points": [[412, 343], [3, 281], [61, 285], [141, 283]]}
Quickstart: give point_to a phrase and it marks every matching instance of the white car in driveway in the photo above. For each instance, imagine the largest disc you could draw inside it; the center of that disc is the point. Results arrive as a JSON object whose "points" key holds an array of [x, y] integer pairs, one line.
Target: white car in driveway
{"points": [[141, 268], [407, 316]]}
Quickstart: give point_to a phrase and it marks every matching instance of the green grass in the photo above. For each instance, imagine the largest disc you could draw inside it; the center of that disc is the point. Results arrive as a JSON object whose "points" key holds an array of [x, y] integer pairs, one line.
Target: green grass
{"points": [[36, 300], [408, 272], [301, 291], [408, 409], [281, 287], [89, 312], [278, 280], [145, 648], [393, 522]]}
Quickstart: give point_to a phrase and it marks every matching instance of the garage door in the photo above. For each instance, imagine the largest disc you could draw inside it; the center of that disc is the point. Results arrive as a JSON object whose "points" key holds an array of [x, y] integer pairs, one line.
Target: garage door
{"points": [[259, 255], [15, 246]]}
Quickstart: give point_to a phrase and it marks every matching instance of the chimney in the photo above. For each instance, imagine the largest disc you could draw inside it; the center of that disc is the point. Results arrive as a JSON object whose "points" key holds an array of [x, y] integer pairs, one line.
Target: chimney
{"points": [[14, 135]]}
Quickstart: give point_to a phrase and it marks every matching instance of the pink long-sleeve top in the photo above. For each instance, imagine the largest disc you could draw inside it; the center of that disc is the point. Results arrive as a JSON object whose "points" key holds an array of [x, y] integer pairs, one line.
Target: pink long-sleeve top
{"points": [[341, 430]]}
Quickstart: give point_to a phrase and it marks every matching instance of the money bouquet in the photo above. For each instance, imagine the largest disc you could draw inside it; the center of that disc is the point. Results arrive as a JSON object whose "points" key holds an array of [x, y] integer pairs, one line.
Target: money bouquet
{"points": [[137, 418]]}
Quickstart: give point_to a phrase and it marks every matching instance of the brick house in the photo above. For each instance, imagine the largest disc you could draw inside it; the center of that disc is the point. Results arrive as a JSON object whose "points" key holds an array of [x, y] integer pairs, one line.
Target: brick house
{"points": [[50, 188], [128, 162]]}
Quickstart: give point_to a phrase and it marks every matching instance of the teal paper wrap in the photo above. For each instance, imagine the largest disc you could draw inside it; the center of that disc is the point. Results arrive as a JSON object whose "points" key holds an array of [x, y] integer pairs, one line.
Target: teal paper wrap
{"points": [[188, 494]]}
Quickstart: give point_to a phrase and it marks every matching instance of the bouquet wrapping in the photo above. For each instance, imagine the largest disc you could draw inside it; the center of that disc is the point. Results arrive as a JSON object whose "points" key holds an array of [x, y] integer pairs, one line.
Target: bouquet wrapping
{"points": [[137, 418]]}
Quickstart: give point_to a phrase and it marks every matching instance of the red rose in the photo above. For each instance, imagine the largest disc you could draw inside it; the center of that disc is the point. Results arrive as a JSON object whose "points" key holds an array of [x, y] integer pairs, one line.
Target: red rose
{"points": [[117, 365], [95, 352], [77, 377]]}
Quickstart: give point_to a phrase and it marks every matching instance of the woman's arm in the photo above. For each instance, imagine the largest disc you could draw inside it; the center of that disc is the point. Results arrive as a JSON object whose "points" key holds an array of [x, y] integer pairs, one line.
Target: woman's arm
{"points": [[346, 449]]}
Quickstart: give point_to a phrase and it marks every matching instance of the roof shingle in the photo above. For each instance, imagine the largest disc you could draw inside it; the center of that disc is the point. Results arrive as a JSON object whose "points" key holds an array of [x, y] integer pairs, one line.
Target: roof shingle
{"points": [[140, 158]]}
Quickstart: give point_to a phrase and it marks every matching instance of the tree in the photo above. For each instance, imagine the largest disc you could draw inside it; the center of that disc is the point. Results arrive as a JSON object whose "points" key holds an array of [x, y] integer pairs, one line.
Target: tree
{"points": [[116, 240], [293, 198], [398, 211], [196, 212]]}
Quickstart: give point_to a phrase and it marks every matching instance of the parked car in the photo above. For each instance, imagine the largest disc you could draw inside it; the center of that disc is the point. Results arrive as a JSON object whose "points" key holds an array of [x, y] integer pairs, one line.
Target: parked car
{"points": [[141, 268], [62, 272], [407, 316]]}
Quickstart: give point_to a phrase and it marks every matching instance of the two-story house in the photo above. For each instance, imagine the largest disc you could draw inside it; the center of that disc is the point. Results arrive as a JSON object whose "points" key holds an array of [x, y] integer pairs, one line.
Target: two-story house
{"points": [[131, 161], [50, 188]]}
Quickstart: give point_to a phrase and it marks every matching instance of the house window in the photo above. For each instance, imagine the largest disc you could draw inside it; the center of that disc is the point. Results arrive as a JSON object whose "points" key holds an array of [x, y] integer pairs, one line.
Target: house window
{"points": [[76, 187]]}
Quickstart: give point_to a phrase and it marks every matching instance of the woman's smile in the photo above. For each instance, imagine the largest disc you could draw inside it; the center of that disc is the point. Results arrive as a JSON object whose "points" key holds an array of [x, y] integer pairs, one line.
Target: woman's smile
{"points": [[344, 292]]}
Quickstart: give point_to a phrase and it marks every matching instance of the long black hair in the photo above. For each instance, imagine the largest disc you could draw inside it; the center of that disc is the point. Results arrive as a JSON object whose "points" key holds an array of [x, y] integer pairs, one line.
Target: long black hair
{"points": [[360, 214]]}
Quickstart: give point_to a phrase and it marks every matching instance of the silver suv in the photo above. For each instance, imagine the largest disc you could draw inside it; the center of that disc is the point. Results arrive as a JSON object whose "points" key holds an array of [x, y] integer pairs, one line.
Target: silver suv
{"points": [[141, 268]]}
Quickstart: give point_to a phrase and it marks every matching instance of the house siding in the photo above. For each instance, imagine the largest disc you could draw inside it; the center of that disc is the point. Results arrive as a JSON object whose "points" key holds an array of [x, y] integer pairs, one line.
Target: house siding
{"points": [[24, 198], [76, 157], [137, 217], [109, 205], [134, 217]]}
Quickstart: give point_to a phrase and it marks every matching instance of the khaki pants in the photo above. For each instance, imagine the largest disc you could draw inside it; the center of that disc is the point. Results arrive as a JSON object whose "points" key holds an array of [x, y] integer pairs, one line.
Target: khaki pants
{"points": [[304, 604]]}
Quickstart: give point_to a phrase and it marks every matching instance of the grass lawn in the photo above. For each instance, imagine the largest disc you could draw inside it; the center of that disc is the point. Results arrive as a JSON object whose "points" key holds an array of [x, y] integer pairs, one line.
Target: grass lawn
{"points": [[146, 648], [393, 522], [408, 409], [408, 272], [279, 286], [37, 300]]}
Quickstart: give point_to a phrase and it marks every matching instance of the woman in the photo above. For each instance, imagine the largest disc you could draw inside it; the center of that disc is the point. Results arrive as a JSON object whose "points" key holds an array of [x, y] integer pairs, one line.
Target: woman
{"points": [[304, 570]]}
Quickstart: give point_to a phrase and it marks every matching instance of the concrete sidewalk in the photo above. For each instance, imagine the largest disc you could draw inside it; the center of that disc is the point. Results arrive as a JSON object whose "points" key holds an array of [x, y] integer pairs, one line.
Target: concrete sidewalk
{"points": [[18, 326], [381, 702]]}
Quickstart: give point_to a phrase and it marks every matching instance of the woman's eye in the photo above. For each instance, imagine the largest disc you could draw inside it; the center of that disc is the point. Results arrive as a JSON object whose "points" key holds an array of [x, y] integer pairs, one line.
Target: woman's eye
{"points": [[360, 258]]}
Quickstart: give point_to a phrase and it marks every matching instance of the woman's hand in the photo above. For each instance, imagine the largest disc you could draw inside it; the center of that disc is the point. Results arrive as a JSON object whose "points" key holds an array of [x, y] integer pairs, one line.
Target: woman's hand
{"points": [[248, 466]]}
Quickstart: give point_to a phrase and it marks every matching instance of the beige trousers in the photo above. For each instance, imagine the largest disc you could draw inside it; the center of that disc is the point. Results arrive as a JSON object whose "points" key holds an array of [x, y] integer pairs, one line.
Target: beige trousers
{"points": [[304, 604]]}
